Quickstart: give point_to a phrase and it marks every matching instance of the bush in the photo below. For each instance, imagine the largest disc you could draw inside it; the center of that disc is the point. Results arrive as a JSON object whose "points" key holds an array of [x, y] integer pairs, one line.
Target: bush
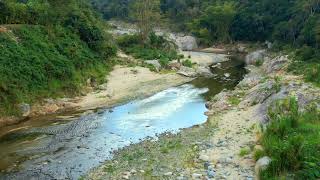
{"points": [[305, 53], [292, 141], [43, 64], [187, 63], [156, 47]]}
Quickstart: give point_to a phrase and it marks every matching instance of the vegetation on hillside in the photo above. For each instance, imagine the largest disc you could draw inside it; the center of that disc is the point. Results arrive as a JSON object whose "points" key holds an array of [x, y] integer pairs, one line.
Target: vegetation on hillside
{"points": [[292, 141], [49, 48], [289, 24]]}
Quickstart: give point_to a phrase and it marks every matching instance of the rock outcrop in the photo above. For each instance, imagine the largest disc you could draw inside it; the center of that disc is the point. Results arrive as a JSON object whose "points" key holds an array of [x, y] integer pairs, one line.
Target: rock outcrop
{"points": [[255, 57], [188, 72], [155, 64], [186, 43], [275, 64]]}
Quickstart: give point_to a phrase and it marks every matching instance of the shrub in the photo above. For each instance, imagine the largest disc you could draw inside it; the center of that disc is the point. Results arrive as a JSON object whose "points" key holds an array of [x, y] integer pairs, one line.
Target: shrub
{"points": [[292, 141], [187, 63], [157, 47]]}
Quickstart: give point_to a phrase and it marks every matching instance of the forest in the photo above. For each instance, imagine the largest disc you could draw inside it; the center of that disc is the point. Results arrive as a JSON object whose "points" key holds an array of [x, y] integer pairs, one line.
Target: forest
{"points": [[292, 25]]}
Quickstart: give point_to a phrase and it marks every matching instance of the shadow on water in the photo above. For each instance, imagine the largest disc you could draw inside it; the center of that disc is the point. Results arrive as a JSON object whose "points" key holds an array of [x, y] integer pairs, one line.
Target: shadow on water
{"points": [[228, 75], [68, 149]]}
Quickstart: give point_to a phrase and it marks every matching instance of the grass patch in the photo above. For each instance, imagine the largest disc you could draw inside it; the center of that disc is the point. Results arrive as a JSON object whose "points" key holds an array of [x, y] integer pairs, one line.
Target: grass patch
{"points": [[292, 141], [187, 63], [244, 152], [233, 100], [307, 63]]}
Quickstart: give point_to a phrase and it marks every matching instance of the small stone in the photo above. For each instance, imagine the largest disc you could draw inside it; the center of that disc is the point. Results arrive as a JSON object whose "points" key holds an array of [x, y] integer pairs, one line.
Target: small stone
{"points": [[262, 164], [168, 174], [142, 171], [133, 171], [211, 173], [206, 165], [196, 176], [204, 157]]}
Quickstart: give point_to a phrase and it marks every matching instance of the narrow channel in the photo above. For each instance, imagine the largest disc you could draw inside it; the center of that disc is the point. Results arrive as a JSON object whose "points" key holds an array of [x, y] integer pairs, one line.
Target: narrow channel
{"points": [[69, 149]]}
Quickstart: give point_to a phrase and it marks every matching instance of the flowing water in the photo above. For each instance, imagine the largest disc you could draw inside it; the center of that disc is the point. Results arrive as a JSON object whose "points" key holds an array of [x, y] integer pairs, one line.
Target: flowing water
{"points": [[54, 149]]}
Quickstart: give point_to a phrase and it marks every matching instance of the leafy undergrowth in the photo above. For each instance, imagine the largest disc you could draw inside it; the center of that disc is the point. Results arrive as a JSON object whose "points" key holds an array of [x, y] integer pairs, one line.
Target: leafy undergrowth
{"points": [[292, 141], [45, 65], [156, 47], [152, 160], [307, 63], [49, 49]]}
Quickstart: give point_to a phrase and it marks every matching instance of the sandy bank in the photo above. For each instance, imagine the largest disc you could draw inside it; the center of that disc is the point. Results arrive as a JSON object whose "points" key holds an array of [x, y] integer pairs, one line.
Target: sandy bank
{"points": [[126, 83], [123, 84]]}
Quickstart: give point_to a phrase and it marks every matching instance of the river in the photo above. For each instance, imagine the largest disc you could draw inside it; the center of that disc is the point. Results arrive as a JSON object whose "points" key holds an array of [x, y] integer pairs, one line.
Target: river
{"points": [[66, 149]]}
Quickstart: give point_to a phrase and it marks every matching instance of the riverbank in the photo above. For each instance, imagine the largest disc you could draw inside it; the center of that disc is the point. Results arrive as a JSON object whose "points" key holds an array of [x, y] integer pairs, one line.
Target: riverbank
{"points": [[123, 84], [227, 146]]}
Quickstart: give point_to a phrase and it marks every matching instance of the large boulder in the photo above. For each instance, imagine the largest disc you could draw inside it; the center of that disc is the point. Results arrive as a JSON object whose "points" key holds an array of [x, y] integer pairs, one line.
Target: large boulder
{"points": [[261, 165], [204, 71], [259, 94], [187, 43], [256, 56], [186, 71], [155, 64]]}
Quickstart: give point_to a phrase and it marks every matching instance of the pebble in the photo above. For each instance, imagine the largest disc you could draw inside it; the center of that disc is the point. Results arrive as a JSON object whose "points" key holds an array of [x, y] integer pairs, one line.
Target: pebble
{"points": [[168, 174], [204, 157], [206, 165], [196, 176], [142, 171], [133, 171], [211, 173]]}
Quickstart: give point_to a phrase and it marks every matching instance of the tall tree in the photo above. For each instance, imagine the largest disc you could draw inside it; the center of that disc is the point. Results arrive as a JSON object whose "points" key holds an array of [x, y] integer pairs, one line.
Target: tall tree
{"points": [[147, 15]]}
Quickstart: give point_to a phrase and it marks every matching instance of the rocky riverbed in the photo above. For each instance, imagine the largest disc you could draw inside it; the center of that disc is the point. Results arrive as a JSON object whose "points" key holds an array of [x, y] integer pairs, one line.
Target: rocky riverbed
{"points": [[223, 147]]}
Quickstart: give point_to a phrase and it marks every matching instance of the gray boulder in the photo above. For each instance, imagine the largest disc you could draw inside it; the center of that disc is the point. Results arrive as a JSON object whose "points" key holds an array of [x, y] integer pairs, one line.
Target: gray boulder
{"points": [[204, 72], [261, 165], [254, 57], [186, 71], [276, 64], [154, 63], [187, 43], [25, 109], [259, 94]]}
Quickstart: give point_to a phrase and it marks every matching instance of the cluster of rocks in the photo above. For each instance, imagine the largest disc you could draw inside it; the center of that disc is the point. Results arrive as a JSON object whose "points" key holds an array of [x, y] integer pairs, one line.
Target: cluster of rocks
{"points": [[261, 88]]}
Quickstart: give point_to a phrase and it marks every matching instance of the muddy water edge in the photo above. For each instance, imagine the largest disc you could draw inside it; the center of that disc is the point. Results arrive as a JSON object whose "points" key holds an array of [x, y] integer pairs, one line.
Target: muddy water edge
{"points": [[67, 147]]}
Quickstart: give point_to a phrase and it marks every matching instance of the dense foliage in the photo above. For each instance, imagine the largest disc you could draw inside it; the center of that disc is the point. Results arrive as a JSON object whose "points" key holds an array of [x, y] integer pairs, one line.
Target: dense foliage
{"points": [[48, 48], [156, 47], [292, 141], [293, 24]]}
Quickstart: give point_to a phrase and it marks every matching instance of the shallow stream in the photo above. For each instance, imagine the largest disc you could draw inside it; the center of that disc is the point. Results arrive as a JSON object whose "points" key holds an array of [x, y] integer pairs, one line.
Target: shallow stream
{"points": [[56, 148]]}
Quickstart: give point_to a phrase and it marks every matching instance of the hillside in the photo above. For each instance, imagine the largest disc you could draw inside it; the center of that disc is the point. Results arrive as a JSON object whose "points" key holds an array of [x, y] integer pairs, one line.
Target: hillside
{"points": [[290, 25], [49, 49]]}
